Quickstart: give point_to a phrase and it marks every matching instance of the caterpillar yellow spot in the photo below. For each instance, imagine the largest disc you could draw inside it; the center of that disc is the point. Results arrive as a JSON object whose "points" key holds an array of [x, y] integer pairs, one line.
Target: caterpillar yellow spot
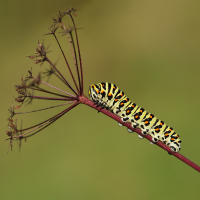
{"points": [[114, 99]]}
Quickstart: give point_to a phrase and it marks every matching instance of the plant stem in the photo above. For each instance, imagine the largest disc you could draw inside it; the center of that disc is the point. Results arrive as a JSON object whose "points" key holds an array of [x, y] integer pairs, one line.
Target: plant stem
{"points": [[51, 98], [67, 63], [66, 82], [79, 54], [45, 108], [90, 103], [54, 87]]}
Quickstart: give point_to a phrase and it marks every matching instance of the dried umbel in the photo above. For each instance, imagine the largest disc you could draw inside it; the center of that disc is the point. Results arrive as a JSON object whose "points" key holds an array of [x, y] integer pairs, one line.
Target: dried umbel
{"points": [[71, 98], [26, 90]]}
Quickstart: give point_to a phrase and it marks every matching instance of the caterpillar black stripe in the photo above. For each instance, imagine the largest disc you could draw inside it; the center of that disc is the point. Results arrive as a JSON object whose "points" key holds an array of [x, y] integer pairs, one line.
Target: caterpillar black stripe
{"points": [[109, 96]]}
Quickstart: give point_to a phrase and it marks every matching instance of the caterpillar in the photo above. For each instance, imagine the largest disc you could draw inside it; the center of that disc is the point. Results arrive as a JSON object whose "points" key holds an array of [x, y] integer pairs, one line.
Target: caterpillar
{"points": [[109, 96]]}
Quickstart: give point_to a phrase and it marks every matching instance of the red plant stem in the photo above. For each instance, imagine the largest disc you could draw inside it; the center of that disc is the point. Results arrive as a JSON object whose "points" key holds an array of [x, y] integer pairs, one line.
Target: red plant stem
{"points": [[73, 50], [54, 119], [79, 54], [46, 91], [75, 61], [90, 103], [18, 113], [67, 63], [48, 122], [67, 83], [50, 119], [51, 98], [54, 87]]}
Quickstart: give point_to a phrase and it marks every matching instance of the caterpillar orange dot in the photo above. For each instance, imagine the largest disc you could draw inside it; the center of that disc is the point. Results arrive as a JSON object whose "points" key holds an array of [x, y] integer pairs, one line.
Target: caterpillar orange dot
{"points": [[113, 99]]}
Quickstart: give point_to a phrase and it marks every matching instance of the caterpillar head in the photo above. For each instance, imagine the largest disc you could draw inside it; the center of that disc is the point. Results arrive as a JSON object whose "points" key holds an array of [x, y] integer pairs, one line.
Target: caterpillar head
{"points": [[93, 92]]}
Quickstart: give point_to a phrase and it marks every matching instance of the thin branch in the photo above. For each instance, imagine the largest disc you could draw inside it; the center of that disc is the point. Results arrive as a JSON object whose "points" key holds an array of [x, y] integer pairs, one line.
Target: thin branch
{"points": [[67, 63], [79, 53], [44, 108], [75, 58], [67, 83], [48, 120], [54, 87], [50, 72], [90, 103], [73, 50], [51, 98], [54, 119], [46, 91], [47, 123]]}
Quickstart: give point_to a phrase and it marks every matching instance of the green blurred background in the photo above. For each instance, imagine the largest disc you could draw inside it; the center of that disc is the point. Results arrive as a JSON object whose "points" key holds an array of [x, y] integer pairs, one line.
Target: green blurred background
{"points": [[149, 49]]}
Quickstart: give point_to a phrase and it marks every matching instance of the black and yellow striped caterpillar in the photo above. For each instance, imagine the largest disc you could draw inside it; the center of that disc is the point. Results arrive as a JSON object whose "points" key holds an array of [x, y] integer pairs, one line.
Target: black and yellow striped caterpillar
{"points": [[109, 96]]}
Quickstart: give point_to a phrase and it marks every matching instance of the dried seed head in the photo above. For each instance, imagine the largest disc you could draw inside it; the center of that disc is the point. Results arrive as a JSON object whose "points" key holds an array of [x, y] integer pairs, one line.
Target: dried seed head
{"points": [[52, 31], [9, 133], [31, 57], [20, 99], [40, 55], [67, 30]]}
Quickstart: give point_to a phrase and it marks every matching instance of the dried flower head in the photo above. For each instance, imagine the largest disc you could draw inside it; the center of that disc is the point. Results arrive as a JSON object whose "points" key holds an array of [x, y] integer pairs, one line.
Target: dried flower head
{"points": [[32, 84]]}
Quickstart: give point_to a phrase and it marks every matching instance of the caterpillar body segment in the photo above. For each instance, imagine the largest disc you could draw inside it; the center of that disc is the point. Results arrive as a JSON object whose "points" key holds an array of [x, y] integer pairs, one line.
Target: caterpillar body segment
{"points": [[109, 96]]}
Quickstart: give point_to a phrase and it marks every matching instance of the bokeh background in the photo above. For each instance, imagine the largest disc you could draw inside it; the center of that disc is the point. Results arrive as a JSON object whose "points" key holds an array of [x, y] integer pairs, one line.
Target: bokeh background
{"points": [[149, 49]]}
